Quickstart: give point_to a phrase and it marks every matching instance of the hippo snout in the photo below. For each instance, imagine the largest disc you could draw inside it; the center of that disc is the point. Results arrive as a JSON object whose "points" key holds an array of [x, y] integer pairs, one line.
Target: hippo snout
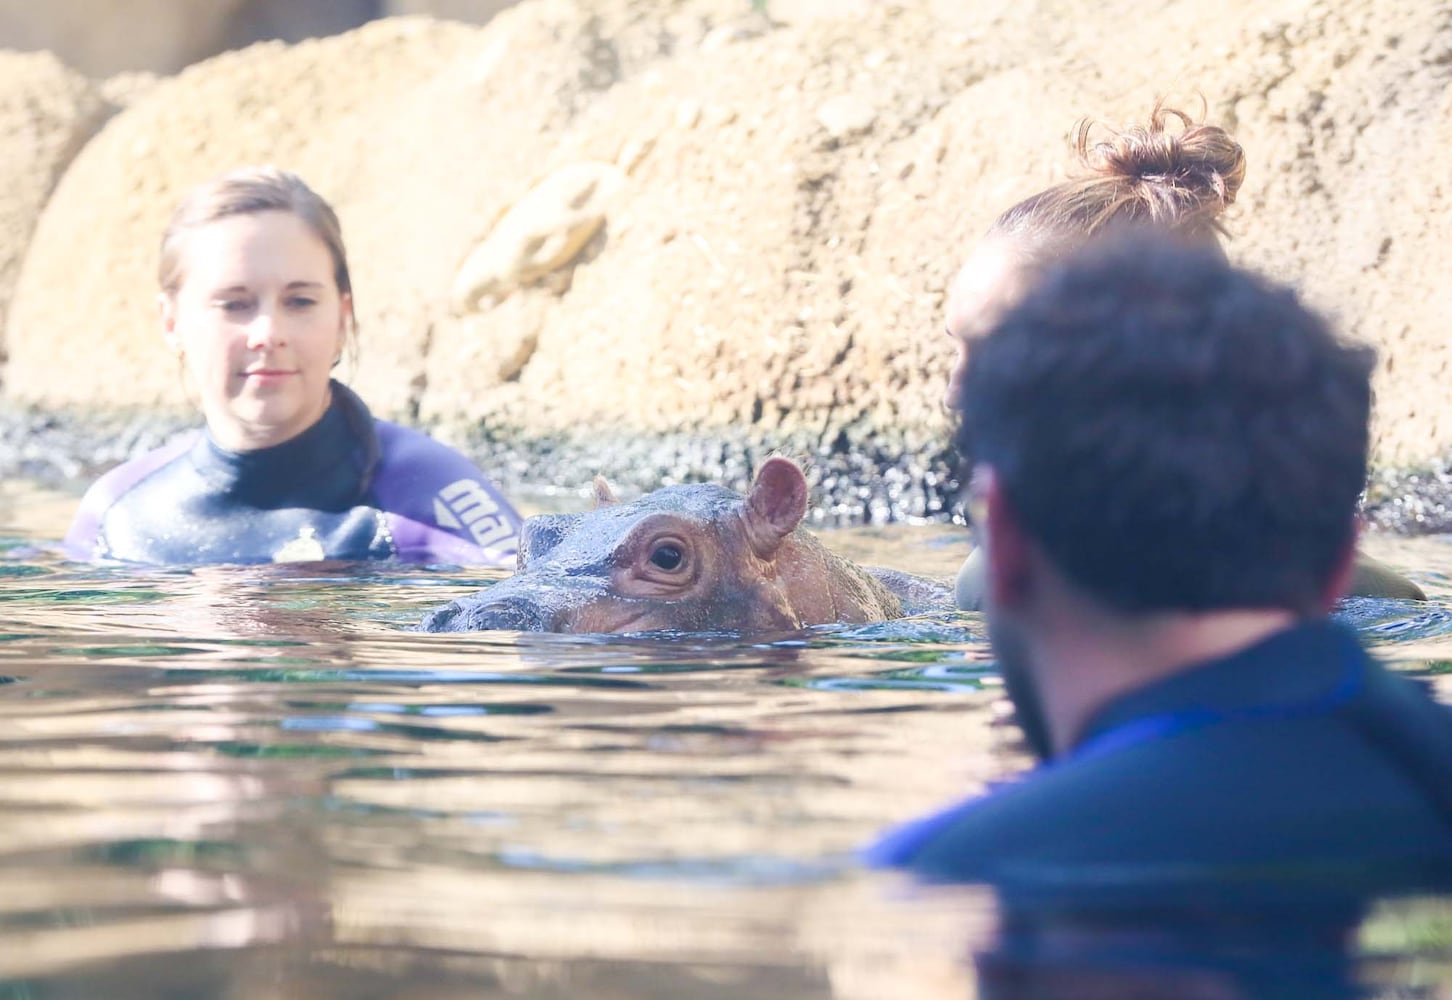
{"points": [[514, 614]]}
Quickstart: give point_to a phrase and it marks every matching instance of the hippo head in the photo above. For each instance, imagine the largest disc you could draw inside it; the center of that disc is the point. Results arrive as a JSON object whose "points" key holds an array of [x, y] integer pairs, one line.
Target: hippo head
{"points": [[695, 557]]}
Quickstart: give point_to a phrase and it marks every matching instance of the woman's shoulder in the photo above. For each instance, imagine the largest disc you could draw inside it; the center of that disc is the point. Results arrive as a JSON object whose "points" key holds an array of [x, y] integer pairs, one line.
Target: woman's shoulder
{"points": [[110, 488], [413, 464], [411, 452], [436, 489], [125, 477]]}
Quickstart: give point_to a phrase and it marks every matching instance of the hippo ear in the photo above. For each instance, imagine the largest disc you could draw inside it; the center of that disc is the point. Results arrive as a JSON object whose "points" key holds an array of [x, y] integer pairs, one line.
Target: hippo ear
{"points": [[776, 504], [604, 495]]}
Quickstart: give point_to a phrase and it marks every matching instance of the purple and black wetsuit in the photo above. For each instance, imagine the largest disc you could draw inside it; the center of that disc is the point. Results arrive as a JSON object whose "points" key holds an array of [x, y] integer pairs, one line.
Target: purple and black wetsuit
{"points": [[349, 487]]}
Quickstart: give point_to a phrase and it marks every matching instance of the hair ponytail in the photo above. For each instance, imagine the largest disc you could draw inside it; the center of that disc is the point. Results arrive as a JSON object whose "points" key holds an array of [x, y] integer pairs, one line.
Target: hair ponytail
{"points": [[1178, 179]]}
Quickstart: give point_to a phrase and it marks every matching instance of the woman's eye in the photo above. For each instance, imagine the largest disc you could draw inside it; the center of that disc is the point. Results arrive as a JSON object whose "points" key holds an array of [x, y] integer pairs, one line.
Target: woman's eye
{"points": [[667, 556], [301, 302], [234, 305]]}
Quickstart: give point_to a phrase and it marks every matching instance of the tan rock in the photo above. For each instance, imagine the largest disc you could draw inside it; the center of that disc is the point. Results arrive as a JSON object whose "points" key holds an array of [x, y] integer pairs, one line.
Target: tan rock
{"points": [[846, 115], [125, 89], [798, 11], [47, 113], [539, 234], [1346, 123], [746, 271]]}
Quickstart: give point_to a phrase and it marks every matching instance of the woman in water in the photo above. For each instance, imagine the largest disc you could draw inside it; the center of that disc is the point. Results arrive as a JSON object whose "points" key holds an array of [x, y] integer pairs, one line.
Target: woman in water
{"points": [[257, 302], [1177, 179]]}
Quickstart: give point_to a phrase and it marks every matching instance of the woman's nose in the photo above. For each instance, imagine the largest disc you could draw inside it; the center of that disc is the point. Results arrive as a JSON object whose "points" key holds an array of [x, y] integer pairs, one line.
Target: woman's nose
{"points": [[264, 330]]}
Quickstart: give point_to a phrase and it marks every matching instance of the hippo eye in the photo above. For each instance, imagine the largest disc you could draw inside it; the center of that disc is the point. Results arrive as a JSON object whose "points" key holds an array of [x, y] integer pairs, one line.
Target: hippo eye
{"points": [[667, 556]]}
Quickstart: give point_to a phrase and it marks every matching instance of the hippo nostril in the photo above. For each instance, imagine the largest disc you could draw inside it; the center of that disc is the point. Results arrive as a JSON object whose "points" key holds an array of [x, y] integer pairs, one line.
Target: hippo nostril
{"points": [[511, 614]]}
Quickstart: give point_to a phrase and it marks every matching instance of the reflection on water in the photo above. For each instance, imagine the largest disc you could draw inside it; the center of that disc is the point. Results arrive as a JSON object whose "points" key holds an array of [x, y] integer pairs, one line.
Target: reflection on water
{"points": [[1277, 948], [254, 783]]}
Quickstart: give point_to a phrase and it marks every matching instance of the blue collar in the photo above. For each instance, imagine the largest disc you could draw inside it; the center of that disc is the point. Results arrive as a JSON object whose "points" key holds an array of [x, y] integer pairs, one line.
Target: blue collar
{"points": [[328, 466], [1258, 682], [1247, 689]]}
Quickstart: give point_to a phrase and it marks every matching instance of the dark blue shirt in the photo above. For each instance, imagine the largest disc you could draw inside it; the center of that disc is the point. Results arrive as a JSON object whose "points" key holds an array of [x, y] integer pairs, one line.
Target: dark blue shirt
{"points": [[1297, 757]]}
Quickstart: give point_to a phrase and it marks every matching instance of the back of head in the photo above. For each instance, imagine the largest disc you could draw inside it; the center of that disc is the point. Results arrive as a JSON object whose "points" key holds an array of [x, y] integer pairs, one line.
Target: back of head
{"points": [[1171, 173], [1174, 432]]}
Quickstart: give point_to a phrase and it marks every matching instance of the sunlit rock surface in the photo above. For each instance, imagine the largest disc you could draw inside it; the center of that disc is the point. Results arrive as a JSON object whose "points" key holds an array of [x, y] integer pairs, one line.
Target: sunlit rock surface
{"points": [[47, 112], [800, 185]]}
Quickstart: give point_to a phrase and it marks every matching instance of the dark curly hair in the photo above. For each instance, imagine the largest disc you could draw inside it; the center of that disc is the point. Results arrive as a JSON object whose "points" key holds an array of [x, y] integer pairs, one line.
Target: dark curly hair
{"points": [[1175, 432]]}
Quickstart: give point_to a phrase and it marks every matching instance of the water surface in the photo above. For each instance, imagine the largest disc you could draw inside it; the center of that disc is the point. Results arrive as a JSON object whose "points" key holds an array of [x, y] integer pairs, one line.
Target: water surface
{"points": [[253, 782]]}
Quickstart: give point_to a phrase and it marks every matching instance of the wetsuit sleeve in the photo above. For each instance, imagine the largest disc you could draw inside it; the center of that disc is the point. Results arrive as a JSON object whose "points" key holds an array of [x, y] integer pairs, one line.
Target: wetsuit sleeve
{"points": [[440, 507], [86, 538], [82, 541]]}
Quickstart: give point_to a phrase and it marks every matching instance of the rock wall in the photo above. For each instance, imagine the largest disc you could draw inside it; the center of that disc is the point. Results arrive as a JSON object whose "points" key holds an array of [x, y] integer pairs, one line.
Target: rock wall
{"points": [[637, 217], [47, 113], [1347, 117]]}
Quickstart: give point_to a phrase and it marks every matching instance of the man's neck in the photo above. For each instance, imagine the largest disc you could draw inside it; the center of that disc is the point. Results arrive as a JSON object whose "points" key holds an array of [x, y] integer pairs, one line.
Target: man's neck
{"points": [[1083, 661]]}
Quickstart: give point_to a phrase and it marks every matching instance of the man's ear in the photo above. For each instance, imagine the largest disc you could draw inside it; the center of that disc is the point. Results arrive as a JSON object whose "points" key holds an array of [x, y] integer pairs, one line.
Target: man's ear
{"points": [[1338, 585], [775, 506], [166, 313], [1009, 548]]}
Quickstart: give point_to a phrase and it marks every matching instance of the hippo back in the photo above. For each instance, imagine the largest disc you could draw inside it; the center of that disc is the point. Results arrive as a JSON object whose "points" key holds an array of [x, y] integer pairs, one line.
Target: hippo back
{"points": [[864, 593], [917, 594]]}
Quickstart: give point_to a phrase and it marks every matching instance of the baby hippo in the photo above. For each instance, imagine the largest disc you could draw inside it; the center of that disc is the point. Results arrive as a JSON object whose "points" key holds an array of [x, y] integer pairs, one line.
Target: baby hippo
{"points": [[691, 558]]}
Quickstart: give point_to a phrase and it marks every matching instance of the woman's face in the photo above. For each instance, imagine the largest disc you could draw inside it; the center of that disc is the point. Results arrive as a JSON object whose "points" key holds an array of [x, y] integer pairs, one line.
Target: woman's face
{"points": [[260, 323], [989, 284]]}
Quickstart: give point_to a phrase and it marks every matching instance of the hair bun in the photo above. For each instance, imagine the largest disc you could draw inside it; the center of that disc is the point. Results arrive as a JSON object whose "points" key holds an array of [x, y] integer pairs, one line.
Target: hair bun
{"points": [[1184, 176]]}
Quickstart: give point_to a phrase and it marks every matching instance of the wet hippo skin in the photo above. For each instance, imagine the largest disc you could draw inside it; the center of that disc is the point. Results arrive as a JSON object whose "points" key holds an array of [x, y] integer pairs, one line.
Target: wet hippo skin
{"points": [[696, 557], [1370, 578]]}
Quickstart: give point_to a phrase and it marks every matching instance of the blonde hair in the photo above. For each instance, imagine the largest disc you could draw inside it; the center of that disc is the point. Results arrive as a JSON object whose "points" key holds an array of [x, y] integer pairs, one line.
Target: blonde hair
{"points": [[1144, 175], [247, 191]]}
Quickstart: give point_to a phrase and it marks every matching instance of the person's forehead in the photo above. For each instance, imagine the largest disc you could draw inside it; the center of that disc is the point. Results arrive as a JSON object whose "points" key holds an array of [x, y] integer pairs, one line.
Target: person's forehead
{"points": [[987, 283], [263, 237]]}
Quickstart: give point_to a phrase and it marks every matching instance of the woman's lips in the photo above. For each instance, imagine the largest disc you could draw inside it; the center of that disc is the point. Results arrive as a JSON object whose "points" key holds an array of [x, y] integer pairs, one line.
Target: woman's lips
{"points": [[267, 374]]}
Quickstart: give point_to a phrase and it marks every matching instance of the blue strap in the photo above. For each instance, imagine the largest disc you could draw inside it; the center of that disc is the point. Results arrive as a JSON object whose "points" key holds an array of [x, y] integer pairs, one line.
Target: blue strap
{"points": [[1158, 727]]}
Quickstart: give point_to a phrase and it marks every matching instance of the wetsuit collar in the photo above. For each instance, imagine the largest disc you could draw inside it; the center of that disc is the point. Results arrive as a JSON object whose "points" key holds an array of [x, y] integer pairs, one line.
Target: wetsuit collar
{"points": [[328, 466], [1300, 665]]}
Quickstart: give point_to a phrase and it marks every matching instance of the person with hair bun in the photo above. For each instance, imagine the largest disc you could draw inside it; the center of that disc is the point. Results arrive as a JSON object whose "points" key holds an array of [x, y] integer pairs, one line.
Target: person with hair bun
{"points": [[1172, 174], [257, 303], [1167, 453]]}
